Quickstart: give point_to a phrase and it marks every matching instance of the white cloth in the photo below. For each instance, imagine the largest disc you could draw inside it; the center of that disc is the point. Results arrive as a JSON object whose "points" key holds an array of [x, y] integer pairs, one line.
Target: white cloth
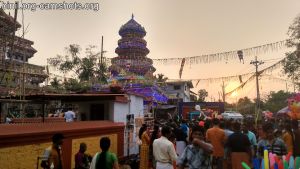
{"points": [[69, 116], [160, 165], [180, 146], [164, 151]]}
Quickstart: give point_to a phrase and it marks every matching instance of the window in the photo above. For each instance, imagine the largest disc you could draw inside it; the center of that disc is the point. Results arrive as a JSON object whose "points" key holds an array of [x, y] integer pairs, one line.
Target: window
{"points": [[177, 87]]}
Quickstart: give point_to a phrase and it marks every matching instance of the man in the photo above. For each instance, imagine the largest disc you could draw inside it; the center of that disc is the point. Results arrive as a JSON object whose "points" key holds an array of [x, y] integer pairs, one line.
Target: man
{"points": [[274, 144], [240, 147], [216, 136], [54, 154], [296, 138], [163, 150], [82, 160], [69, 115], [251, 136], [196, 155]]}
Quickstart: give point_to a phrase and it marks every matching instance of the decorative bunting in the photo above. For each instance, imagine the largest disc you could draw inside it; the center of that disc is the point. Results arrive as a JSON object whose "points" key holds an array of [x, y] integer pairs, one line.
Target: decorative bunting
{"points": [[223, 56], [181, 67]]}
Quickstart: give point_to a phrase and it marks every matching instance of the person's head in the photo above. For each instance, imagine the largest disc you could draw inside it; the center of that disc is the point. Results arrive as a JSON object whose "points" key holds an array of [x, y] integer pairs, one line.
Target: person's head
{"points": [[183, 121], [166, 131], [288, 126], [228, 125], [245, 128], [104, 143], [295, 124], [197, 132], [142, 129], [236, 126], [216, 121], [57, 139], [82, 147], [172, 137], [268, 129]]}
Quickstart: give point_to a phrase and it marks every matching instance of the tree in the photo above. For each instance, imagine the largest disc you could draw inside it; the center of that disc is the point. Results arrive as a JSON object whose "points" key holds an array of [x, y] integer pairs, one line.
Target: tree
{"points": [[161, 78], [202, 94], [55, 83], [276, 100], [245, 106], [86, 68], [292, 61]]}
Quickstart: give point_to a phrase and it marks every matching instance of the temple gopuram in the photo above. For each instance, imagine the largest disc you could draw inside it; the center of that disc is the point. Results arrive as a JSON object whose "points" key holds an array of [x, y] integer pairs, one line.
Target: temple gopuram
{"points": [[132, 69], [17, 76]]}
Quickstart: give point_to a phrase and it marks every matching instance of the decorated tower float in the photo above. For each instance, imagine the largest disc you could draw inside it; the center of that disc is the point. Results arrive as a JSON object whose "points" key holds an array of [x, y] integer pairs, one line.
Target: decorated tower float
{"points": [[132, 73]]}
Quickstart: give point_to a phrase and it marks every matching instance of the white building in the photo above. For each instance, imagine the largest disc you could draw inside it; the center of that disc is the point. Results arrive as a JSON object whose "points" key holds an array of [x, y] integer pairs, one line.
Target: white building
{"points": [[179, 89]]}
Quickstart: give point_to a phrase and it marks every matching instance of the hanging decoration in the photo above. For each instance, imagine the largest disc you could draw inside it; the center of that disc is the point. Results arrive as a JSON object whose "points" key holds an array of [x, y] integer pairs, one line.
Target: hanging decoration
{"points": [[181, 67], [224, 56], [240, 55], [262, 72], [240, 78]]}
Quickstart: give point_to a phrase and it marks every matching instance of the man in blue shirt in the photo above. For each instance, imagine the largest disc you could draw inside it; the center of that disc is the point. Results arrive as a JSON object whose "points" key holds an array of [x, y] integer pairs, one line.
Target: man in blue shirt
{"points": [[196, 155]]}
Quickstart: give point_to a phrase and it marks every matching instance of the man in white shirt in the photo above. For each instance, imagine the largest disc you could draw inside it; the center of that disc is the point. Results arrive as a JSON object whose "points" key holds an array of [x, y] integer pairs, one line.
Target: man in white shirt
{"points": [[164, 151], [69, 115]]}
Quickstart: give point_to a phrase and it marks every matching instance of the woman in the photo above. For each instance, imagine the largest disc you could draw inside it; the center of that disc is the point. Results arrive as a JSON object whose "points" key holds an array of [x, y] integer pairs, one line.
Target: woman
{"points": [[144, 151], [287, 136], [105, 159]]}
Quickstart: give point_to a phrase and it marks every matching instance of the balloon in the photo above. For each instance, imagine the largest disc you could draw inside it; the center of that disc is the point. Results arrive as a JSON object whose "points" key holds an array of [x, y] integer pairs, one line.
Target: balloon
{"points": [[256, 163], [283, 158], [262, 164], [285, 165], [291, 162], [288, 156], [266, 159], [276, 159], [280, 164], [245, 165], [297, 163], [272, 159], [276, 166]]}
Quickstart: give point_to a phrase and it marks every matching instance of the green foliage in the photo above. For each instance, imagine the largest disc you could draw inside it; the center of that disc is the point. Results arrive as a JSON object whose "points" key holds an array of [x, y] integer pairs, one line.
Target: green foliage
{"points": [[202, 94], [76, 86], [161, 78], [55, 83], [292, 65], [292, 62], [246, 106], [87, 68], [276, 100]]}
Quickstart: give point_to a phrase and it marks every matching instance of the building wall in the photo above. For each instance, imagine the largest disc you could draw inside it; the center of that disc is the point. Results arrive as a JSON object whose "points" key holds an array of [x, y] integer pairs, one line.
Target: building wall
{"points": [[84, 108], [21, 157], [135, 107], [24, 157], [20, 150], [93, 145], [183, 94]]}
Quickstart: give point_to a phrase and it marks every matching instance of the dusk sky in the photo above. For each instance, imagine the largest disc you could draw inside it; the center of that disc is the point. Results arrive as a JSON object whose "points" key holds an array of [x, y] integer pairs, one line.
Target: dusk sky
{"points": [[175, 28]]}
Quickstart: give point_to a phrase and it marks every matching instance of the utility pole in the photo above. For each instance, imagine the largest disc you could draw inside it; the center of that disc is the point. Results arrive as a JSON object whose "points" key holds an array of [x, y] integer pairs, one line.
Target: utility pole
{"points": [[256, 63], [223, 91]]}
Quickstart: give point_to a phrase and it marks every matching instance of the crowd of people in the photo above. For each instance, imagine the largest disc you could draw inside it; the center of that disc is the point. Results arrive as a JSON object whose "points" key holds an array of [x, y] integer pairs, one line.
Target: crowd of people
{"points": [[215, 143], [205, 144]]}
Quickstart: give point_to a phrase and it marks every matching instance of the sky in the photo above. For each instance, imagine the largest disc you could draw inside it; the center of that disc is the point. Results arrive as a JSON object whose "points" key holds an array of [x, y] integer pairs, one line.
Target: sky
{"points": [[175, 28]]}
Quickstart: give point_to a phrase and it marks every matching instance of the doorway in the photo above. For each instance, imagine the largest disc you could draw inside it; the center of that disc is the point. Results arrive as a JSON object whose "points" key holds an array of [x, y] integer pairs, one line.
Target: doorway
{"points": [[97, 112]]}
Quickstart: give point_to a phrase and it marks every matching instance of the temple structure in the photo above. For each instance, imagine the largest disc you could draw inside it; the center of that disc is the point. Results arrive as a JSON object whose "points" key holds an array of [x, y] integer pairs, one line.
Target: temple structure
{"points": [[132, 51], [132, 69], [16, 74]]}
